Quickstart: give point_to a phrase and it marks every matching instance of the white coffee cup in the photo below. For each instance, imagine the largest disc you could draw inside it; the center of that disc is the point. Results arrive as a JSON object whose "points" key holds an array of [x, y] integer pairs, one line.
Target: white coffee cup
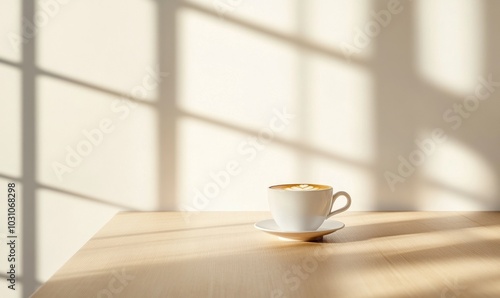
{"points": [[303, 207]]}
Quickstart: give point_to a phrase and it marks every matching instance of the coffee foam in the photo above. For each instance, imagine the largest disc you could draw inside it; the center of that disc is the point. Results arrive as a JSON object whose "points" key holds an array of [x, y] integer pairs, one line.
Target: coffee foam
{"points": [[301, 187]]}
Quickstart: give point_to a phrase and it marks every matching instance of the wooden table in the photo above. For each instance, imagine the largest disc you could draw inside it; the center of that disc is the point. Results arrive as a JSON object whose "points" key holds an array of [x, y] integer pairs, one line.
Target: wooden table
{"points": [[221, 254]]}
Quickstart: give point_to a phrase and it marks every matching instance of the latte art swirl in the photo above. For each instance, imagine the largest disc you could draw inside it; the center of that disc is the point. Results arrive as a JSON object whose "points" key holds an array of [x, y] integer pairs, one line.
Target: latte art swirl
{"points": [[302, 187]]}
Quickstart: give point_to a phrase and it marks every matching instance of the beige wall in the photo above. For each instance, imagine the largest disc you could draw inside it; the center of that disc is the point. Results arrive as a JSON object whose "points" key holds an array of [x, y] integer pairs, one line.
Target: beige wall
{"points": [[199, 105]]}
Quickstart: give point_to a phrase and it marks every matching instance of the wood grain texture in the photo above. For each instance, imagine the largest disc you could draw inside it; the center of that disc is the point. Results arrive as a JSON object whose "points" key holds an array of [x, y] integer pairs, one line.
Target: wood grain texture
{"points": [[221, 254]]}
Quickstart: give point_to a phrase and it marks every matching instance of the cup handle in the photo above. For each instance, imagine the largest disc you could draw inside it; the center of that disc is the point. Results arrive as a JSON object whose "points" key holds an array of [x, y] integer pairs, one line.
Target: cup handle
{"points": [[347, 205]]}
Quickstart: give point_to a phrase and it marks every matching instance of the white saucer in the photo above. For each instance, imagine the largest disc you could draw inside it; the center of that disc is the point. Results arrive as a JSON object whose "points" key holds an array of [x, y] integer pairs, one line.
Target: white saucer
{"points": [[270, 226]]}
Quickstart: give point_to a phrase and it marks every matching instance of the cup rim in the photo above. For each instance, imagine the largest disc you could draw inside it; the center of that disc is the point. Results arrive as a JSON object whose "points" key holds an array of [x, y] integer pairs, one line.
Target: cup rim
{"points": [[282, 187]]}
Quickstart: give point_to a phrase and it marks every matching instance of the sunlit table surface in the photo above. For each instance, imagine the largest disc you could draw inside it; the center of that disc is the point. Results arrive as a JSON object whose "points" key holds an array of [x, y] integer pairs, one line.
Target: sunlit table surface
{"points": [[221, 254]]}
